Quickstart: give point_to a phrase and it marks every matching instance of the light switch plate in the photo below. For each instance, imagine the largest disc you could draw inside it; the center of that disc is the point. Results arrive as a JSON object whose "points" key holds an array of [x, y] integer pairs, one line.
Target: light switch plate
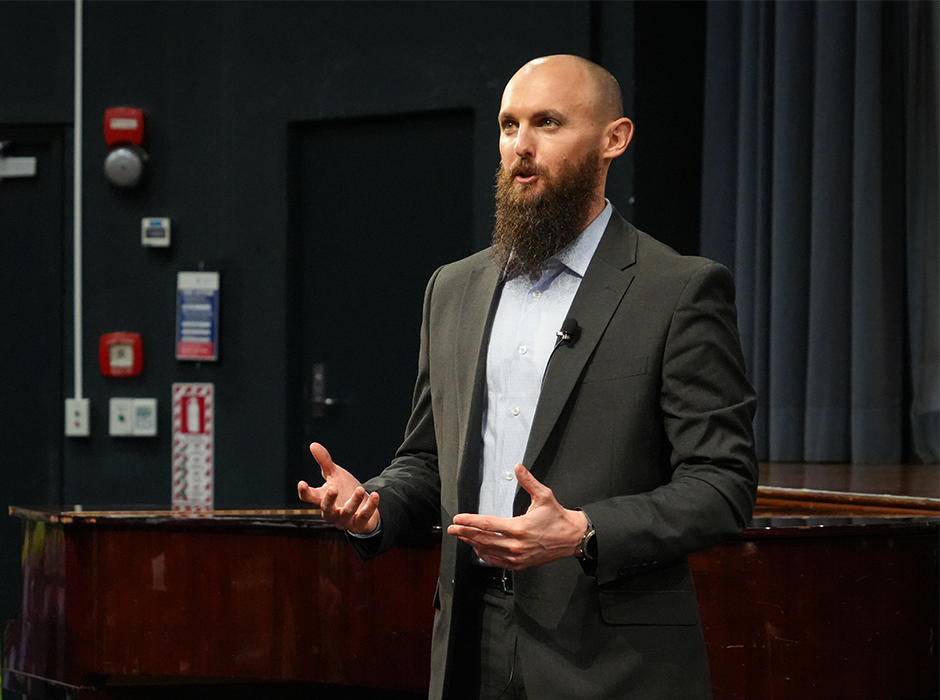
{"points": [[77, 422]]}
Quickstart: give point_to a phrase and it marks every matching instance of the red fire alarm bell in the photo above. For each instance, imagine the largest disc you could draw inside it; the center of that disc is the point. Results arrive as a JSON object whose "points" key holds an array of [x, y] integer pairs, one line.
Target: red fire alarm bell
{"points": [[124, 133], [121, 354], [123, 125]]}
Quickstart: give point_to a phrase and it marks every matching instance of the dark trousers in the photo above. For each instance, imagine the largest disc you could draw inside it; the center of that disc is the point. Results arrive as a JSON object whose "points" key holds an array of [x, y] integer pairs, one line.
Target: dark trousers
{"points": [[486, 663]]}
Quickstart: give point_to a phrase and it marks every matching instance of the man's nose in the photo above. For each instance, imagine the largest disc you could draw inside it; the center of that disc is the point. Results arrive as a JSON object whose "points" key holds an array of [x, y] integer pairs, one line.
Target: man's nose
{"points": [[525, 143]]}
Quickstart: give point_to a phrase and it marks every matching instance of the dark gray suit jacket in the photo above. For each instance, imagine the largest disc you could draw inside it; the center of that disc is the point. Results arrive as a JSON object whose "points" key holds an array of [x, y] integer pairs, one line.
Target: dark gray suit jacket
{"points": [[644, 423]]}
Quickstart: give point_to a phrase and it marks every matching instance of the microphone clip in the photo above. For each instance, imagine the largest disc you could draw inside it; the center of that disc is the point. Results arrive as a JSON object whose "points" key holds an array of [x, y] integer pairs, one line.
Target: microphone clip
{"points": [[569, 332]]}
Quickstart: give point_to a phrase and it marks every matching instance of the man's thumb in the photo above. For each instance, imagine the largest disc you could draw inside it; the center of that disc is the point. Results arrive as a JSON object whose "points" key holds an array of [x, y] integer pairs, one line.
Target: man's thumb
{"points": [[322, 455], [532, 485]]}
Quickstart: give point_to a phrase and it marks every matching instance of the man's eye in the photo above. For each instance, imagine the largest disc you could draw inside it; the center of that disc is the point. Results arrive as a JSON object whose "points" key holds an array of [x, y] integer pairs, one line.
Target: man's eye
{"points": [[509, 126], [549, 122]]}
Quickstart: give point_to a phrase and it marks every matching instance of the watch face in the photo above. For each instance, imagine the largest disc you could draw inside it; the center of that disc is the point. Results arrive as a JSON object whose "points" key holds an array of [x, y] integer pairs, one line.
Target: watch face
{"points": [[589, 546], [123, 167]]}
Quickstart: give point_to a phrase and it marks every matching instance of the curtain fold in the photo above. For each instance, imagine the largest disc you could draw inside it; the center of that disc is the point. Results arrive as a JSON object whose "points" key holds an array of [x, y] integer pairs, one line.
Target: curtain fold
{"points": [[923, 215], [878, 278], [818, 158], [789, 234], [828, 374]]}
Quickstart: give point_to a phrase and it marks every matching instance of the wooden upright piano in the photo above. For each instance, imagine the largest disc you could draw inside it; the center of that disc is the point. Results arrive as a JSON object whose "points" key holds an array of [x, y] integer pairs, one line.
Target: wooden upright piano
{"points": [[831, 594]]}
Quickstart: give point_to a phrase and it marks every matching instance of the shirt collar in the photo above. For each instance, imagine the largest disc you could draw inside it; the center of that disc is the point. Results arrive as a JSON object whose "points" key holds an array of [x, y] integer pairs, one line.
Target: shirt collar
{"points": [[577, 255]]}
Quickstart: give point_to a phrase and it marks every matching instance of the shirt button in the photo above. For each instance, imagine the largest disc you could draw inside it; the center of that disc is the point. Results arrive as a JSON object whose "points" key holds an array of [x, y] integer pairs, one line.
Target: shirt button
{"points": [[522, 350], [509, 476], [536, 293], [515, 410]]}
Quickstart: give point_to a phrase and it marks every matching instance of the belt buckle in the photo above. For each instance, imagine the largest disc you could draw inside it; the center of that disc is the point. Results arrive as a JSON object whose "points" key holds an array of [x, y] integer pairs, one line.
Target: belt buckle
{"points": [[505, 581]]}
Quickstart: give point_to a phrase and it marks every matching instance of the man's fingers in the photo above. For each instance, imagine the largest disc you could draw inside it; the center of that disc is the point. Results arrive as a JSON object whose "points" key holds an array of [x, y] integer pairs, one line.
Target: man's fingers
{"points": [[343, 502], [366, 509], [501, 553], [308, 494], [351, 506], [483, 522], [328, 502], [322, 455], [361, 504], [483, 531], [305, 492], [355, 514], [476, 536]]}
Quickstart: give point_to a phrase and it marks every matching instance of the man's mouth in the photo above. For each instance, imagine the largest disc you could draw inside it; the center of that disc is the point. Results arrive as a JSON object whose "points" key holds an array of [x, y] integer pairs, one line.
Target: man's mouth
{"points": [[525, 174]]}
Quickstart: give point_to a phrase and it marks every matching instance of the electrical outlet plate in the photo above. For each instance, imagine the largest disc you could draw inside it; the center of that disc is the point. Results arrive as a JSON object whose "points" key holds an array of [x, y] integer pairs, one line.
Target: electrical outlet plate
{"points": [[77, 422]]}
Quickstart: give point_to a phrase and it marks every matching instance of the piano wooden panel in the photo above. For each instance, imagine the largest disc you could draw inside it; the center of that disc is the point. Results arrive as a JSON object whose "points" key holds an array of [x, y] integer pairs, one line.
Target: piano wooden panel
{"points": [[113, 598], [827, 612], [826, 596]]}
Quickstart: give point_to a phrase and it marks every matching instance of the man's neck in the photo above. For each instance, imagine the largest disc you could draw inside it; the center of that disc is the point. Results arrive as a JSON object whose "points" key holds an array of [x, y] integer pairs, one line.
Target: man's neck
{"points": [[598, 204]]}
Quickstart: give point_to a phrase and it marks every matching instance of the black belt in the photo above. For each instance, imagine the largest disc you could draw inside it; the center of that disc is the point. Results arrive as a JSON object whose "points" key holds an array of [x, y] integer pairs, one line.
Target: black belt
{"points": [[491, 577]]}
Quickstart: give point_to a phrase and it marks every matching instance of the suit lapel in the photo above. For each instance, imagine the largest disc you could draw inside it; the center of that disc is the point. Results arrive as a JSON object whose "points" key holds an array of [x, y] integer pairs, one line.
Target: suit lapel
{"points": [[477, 309], [604, 285]]}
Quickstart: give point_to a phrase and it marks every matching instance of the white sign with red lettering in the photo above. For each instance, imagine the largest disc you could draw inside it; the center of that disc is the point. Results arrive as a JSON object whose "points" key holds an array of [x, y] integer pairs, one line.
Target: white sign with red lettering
{"points": [[193, 419]]}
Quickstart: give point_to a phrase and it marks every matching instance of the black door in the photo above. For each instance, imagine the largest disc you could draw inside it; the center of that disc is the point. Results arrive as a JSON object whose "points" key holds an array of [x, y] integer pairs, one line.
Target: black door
{"points": [[32, 295], [378, 205]]}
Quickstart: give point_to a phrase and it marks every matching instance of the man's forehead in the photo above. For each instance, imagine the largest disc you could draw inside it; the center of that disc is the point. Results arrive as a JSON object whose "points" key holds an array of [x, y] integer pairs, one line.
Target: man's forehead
{"points": [[548, 87]]}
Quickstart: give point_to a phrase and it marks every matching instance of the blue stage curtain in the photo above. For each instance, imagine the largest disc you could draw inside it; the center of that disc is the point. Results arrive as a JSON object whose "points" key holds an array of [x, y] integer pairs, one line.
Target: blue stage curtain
{"points": [[820, 192]]}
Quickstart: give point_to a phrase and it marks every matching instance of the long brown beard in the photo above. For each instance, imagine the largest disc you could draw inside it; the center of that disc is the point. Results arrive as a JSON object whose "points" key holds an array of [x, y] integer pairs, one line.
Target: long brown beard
{"points": [[530, 228]]}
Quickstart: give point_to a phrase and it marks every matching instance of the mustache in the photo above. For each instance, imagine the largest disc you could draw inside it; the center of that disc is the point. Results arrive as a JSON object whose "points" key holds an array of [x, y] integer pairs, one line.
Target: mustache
{"points": [[524, 166]]}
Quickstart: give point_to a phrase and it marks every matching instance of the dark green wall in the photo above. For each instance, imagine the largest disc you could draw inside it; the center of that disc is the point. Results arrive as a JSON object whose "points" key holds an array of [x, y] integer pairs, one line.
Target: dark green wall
{"points": [[221, 84]]}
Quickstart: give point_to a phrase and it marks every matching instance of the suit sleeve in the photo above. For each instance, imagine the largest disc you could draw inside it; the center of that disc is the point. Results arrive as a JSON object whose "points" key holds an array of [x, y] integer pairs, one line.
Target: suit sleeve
{"points": [[706, 405]]}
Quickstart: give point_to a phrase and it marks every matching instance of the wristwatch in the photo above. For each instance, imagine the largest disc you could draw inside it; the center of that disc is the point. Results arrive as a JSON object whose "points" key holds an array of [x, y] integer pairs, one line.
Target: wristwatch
{"points": [[587, 550]]}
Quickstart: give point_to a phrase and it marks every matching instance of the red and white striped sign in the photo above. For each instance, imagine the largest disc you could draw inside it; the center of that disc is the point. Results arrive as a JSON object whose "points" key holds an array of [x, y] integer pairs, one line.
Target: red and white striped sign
{"points": [[193, 449]]}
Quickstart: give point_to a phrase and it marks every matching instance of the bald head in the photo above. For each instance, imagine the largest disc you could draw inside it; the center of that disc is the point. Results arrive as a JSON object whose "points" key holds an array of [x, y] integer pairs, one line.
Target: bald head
{"points": [[561, 115], [603, 88]]}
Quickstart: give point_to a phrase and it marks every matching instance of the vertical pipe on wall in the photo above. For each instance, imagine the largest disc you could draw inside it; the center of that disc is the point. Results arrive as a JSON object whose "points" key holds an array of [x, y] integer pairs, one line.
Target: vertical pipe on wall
{"points": [[77, 202]]}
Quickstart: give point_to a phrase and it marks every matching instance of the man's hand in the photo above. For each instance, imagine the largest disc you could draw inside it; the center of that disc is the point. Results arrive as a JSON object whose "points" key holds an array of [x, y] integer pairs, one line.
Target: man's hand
{"points": [[546, 532], [342, 499]]}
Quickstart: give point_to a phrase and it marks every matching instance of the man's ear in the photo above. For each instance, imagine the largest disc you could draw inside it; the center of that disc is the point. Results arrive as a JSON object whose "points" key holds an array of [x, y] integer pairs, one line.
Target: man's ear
{"points": [[617, 137]]}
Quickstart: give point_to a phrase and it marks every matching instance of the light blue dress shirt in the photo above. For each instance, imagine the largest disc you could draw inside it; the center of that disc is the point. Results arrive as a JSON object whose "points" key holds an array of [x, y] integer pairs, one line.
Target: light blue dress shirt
{"points": [[523, 337]]}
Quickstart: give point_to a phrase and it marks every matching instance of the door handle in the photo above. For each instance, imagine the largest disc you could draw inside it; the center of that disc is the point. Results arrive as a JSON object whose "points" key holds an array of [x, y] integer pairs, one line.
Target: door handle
{"points": [[323, 406]]}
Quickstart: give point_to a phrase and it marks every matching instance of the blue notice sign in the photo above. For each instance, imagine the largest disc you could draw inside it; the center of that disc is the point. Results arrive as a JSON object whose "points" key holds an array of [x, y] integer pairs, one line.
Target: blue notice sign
{"points": [[197, 316]]}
